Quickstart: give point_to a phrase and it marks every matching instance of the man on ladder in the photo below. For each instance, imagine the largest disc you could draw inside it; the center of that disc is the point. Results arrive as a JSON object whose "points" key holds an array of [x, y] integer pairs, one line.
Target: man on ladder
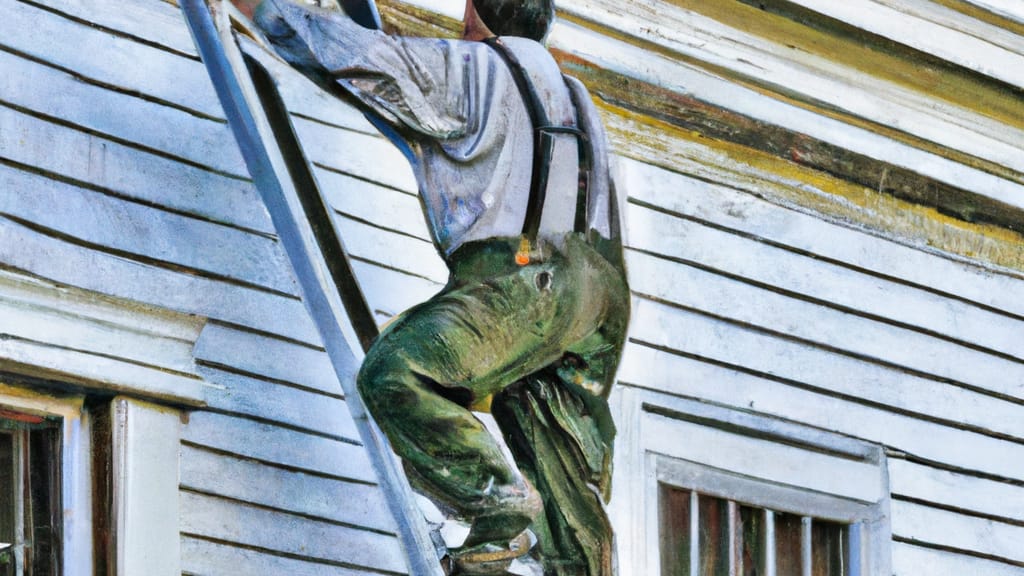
{"points": [[511, 161]]}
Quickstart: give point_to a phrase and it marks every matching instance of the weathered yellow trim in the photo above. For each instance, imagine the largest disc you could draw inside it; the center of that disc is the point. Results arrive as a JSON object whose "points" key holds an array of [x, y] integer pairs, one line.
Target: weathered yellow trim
{"points": [[781, 93], [793, 185], [958, 87]]}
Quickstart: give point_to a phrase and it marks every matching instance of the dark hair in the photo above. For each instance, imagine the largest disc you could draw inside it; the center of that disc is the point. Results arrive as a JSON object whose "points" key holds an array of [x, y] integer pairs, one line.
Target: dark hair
{"points": [[526, 18]]}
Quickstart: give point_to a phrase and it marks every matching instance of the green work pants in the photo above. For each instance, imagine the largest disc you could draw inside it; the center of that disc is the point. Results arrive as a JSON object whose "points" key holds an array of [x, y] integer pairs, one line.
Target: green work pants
{"points": [[544, 339]]}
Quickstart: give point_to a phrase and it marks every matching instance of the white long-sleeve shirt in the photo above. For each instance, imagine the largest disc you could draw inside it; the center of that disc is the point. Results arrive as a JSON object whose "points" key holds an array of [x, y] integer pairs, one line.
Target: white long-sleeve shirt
{"points": [[460, 118]]}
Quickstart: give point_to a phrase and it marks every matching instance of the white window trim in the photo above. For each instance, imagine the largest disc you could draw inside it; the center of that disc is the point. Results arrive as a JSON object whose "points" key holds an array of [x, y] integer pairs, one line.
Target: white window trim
{"points": [[644, 463], [146, 450], [77, 337]]}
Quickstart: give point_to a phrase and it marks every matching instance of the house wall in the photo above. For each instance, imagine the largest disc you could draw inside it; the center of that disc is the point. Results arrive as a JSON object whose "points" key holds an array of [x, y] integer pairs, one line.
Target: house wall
{"points": [[771, 278], [121, 177]]}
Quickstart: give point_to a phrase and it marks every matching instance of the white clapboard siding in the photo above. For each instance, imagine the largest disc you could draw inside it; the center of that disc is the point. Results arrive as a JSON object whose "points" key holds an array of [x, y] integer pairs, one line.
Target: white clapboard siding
{"points": [[860, 94], [103, 57], [128, 171], [748, 214], [24, 249], [203, 557], [727, 298], [339, 501], [829, 284], [738, 453], [1007, 8], [264, 442], [267, 401], [412, 255], [390, 291], [632, 61], [268, 357], [378, 205], [913, 560], [351, 152], [936, 13], [939, 443], [875, 386], [983, 48], [957, 490], [125, 117], [162, 21], [129, 228], [915, 522], [297, 536]]}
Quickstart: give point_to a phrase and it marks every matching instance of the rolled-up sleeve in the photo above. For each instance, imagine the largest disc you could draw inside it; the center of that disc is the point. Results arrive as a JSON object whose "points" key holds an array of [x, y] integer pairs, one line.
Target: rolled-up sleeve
{"points": [[422, 85]]}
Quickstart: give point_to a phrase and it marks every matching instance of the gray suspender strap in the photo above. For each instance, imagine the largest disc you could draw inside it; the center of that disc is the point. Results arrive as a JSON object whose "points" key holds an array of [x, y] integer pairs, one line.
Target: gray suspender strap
{"points": [[543, 145]]}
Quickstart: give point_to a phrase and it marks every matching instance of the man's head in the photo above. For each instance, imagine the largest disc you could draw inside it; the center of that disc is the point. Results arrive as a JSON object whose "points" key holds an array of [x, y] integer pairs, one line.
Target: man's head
{"points": [[526, 18]]}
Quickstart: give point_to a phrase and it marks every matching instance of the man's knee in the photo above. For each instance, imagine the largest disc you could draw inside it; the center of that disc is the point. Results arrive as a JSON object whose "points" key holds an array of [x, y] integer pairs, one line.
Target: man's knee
{"points": [[384, 383]]}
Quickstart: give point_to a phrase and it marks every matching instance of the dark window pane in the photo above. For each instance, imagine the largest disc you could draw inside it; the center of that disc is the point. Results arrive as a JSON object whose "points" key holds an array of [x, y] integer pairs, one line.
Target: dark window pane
{"points": [[751, 560], [675, 531], [8, 499], [714, 536], [787, 544], [43, 520], [828, 545]]}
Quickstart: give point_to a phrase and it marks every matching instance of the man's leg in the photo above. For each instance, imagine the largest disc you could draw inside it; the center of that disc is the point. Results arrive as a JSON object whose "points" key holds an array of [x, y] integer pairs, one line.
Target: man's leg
{"points": [[494, 324], [558, 426]]}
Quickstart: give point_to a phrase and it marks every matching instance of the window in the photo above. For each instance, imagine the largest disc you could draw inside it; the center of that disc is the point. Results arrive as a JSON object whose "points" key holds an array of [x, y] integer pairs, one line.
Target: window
{"points": [[708, 490], [30, 508], [703, 535]]}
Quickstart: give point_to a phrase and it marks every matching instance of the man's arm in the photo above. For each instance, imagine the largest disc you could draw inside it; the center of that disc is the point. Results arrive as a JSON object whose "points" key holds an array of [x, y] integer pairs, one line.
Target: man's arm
{"points": [[420, 86]]}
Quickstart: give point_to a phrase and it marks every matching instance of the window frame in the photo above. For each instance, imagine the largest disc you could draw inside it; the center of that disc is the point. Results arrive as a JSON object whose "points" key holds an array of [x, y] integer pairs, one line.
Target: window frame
{"points": [[75, 469], [645, 462], [119, 480]]}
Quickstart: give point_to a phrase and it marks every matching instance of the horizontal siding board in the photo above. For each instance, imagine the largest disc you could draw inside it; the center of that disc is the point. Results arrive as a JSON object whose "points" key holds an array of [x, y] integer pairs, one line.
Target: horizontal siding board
{"points": [[394, 250], [62, 262], [124, 116], [956, 490], [65, 329], [744, 212], [923, 439], [126, 64], [114, 224], [247, 396], [389, 292], [269, 443], [829, 283], [367, 156], [268, 357], [969, 50], [920, 523], [205, 558], [724, 297], [819, 79], [380, 206], [949, 18], [151, 20], [912, 560], [770, 461], [620, 57], [358, 505], [129, 171], [93, 371], [229, 521]]}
